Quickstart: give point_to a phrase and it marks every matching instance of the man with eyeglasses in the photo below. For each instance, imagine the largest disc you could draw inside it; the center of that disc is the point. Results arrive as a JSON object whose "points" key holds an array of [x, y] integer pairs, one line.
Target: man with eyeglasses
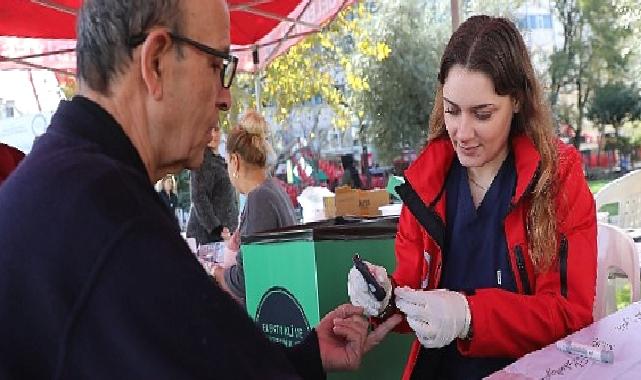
{"points": [[95, 279]]}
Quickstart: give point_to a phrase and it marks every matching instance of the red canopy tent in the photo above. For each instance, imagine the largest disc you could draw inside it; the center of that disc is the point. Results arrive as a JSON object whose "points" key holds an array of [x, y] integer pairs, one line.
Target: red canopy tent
{"points": [[268, 26]]}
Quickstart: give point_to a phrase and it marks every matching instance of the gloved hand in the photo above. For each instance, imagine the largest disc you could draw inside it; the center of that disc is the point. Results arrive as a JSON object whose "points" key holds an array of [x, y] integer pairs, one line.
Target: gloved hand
{"points": [[359, 293], [437, 316]]}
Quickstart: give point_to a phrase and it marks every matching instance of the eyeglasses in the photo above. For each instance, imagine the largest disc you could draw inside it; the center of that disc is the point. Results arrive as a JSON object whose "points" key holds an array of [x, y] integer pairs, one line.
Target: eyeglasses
{"points": [[229, 61]]}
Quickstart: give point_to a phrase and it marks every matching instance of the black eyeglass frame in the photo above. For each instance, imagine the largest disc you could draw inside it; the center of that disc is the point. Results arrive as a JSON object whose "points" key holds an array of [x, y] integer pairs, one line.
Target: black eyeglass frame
{"points": [[228, 59]]}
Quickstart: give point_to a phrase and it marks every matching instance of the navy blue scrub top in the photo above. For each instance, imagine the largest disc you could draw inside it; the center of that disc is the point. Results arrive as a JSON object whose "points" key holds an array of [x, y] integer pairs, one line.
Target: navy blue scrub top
{"points": [[475, 256], [476, 253]]}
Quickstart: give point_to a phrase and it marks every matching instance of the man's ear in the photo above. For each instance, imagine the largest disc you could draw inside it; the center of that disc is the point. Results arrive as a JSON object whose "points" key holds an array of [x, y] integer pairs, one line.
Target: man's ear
{"points": [[153, 63]]}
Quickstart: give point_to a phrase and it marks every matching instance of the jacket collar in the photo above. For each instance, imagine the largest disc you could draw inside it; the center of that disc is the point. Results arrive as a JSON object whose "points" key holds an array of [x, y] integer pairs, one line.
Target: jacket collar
{"points": [[428, 173], [84, 118]]}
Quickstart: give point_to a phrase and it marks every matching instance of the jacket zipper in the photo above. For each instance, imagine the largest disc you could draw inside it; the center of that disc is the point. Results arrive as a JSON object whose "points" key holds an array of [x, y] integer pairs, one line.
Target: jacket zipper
{"points": [[563, 265], [520, 264]]}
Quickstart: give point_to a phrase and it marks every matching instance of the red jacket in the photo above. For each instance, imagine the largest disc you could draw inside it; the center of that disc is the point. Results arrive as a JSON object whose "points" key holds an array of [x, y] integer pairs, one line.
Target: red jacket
{"points": [[9, 158], [548, 305]]}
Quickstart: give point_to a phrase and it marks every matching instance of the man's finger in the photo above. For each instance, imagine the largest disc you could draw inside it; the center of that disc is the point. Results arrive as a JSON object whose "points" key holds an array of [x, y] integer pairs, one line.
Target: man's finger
{"points": [[347, 310], [376, 336], [352, 347], [356, 322], [354, 335]]}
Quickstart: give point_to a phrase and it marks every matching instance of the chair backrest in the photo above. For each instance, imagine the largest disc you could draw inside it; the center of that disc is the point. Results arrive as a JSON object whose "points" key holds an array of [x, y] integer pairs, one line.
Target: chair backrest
{"points": [[616, 253], [626, 192]]}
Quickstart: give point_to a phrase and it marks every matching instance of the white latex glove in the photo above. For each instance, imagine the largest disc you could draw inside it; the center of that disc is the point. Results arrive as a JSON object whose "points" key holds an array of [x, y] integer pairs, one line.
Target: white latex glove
{"points": [[437, 316], [359, 293]]}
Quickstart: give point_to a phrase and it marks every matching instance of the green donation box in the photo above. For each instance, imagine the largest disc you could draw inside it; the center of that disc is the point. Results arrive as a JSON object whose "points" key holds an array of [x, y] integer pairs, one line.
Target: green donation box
{"points": [[294, 276]]}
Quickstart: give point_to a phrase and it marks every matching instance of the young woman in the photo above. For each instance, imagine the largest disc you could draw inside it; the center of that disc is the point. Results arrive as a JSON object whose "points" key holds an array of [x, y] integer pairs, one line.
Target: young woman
{"points": [[496, 247]]}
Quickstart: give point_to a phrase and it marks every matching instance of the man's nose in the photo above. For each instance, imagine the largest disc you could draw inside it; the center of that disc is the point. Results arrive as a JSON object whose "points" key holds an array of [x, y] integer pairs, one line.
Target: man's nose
{"points": [[223, 102]]}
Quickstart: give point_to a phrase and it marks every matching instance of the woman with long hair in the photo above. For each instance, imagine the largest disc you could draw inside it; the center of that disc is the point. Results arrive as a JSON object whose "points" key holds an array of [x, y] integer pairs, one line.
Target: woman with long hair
{"points": [[496, 247]]}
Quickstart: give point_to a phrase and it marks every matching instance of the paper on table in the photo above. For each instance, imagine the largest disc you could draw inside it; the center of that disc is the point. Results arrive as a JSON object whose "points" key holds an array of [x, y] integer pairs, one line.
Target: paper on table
{"points": [[620, 332]]}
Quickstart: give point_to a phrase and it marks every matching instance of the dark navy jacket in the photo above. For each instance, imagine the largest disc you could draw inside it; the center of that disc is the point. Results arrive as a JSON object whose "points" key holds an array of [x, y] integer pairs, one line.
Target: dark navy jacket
{"points": [[96, 282]]}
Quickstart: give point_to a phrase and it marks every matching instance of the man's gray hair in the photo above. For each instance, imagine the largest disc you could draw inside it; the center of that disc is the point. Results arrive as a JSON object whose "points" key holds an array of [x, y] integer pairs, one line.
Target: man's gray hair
{"points": [[104, 28]]}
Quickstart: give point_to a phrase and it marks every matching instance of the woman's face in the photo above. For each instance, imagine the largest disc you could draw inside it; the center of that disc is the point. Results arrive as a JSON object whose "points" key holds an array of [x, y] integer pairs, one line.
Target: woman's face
{"points": [[215, 138], [477, 119], [167, 185]]}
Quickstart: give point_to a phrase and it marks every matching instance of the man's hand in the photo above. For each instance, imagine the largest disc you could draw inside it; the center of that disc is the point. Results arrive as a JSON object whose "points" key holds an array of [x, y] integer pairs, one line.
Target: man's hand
{"points": [[343, 337]]}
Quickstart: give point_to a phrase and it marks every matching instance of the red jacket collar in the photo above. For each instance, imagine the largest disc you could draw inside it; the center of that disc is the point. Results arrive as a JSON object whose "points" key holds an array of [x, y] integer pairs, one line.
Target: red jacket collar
{"points": [[428, 173]]}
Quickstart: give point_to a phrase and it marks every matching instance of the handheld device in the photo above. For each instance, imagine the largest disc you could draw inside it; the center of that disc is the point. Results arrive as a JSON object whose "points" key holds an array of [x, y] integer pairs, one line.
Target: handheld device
{"points": [[374, 287]]}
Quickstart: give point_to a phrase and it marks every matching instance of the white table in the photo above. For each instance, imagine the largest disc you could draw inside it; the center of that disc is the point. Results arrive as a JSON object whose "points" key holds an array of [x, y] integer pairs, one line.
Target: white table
{"points": [[620, 332]]}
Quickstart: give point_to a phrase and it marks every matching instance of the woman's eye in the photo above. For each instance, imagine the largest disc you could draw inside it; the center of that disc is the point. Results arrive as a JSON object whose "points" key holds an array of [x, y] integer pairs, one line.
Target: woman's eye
{"points": [[451, 111], [483, 115]]}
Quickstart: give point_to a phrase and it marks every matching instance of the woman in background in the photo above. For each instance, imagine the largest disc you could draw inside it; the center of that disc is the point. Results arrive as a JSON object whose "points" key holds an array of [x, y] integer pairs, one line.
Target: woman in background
{"points": [[267, 206], [167, 194], [214, 209]]}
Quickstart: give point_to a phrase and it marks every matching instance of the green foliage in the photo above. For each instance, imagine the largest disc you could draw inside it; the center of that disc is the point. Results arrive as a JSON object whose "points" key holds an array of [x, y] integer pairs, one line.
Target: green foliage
{"points": [[594, 52], [615, 103], [309, 68], [492, 7], [401, 87]]}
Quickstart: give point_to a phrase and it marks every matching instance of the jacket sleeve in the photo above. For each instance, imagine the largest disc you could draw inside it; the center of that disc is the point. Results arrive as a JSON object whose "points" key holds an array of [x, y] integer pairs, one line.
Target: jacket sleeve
{"points": [[409, 251], [409, 256], [167, 320], [202, 181], [508, 324], [306, 358]]}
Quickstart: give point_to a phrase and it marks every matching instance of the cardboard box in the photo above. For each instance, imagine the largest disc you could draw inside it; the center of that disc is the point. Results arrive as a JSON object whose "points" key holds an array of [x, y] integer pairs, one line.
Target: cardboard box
{"points": [[370, 201], [355, 202], [329, 205]]}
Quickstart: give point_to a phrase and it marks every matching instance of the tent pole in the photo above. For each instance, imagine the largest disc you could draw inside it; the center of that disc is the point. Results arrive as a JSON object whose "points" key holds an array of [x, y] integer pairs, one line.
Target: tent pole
{"points": [[256, 60], [35, 93]]}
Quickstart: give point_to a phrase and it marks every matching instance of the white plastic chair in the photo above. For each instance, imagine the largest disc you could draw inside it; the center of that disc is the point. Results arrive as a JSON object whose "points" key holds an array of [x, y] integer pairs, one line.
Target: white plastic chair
{"points": [[616, 254], [626, 191]]}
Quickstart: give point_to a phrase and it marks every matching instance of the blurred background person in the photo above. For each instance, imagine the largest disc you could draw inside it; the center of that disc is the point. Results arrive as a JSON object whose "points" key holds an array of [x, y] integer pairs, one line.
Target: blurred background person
{"points": [[214, 207], [267, 206], [350, 177], [168, 193]]}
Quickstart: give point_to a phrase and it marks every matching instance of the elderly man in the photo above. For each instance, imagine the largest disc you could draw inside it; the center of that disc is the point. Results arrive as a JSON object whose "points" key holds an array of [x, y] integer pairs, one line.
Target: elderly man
{"points": [[95, 280]]}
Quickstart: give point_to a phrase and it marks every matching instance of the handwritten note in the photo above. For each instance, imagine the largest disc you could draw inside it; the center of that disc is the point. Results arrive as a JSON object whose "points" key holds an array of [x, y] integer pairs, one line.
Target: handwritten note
{"points": [[619, 332]]}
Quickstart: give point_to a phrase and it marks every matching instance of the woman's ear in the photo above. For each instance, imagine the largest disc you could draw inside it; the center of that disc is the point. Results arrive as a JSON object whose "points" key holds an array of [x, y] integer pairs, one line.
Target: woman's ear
{"points": [[234, 161], [516, 105]]}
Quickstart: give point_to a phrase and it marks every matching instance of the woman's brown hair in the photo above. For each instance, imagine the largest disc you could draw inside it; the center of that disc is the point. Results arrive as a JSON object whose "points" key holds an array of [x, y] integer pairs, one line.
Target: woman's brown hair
{"points": [[249, 139], [493, 46]]}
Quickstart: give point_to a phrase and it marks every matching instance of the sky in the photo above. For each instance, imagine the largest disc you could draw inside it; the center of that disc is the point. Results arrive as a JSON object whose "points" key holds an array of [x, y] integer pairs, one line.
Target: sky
{"points": [[28, 120]]}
